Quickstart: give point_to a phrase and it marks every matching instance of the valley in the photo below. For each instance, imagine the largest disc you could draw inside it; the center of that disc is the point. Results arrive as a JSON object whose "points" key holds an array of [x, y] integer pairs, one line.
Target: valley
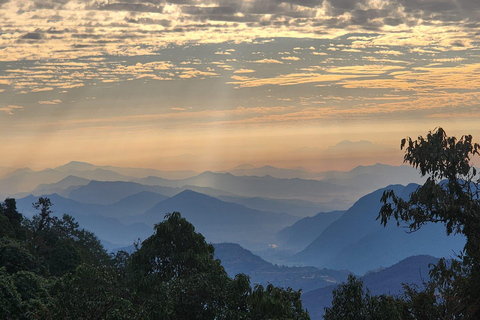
{"points": [[292, 228]]}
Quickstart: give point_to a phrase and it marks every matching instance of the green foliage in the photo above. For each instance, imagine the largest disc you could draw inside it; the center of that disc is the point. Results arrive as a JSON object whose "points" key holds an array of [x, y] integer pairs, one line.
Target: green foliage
{"points": [[275, 303], [177, 266], [91, 292], [177, 277], [61, 244], [352, 302], [11, 220], [34, 293], [449, 196], [175, 250], [10, 302], [6, 228], [15, 256], [50, 268], [423, 304]]}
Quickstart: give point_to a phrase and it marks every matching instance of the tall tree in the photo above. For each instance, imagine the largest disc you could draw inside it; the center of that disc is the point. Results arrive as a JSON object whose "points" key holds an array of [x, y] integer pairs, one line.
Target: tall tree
{"points": [[352, 302], [176, 274], [449, 196]]}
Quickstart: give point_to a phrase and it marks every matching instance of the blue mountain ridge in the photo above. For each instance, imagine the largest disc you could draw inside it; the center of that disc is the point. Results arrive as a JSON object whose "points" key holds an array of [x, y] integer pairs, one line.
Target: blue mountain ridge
{"points": [[358, 242]]}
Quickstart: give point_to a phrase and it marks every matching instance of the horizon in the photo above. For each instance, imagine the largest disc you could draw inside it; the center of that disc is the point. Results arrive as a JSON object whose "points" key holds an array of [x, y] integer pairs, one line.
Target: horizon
{"points": [[343, 156], [243, 166]]}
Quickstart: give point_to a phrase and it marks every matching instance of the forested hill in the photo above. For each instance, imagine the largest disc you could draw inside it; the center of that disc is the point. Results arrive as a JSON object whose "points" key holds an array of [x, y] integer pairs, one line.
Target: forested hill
{"points": [[50, 268]]}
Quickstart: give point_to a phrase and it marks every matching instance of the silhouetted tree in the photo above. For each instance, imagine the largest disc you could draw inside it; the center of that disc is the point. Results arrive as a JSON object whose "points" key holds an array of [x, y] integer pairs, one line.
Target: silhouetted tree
{"points": [[352, 302], [449, 196]]}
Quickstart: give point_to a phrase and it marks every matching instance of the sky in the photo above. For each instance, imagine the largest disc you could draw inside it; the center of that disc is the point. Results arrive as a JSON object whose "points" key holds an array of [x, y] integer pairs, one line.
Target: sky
{"points": [[209, 85]]}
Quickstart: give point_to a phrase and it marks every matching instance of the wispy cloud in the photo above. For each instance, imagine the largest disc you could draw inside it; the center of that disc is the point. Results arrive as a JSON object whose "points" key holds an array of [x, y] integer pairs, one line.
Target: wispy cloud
{"points": [[10, 109], [50, 102]]}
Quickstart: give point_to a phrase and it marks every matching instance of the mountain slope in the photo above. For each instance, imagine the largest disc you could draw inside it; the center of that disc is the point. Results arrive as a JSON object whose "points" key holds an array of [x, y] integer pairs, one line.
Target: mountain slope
{"points": [[359, 243], [135, 204], [377, 176], [269, 187], [131, 172], [61, 186], [220, 221], [412, 270], [26, 180], [299, 235], [236, 259], [105, 192], [90, 218], [281, 173], [299, 208]]}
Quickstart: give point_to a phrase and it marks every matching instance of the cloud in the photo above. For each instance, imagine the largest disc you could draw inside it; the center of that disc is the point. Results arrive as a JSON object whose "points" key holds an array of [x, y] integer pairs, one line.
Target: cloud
{"points": [[268, 61], [434, 79], [50, 102], [244, 71], [42, 89], [288, 79], [10, 109], [189, 73], [32, 36], [130, 7], [76, 28]]}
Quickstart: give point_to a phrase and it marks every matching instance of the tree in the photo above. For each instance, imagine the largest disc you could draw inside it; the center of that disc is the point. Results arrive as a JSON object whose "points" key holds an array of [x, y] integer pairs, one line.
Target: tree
{"points": [[10, 302], [352, 302], [44, 216], [15, 256], [60, 243], [449, 196], [275, 303], [176, 274], [33, 290], [11, 220], [93, 293]]}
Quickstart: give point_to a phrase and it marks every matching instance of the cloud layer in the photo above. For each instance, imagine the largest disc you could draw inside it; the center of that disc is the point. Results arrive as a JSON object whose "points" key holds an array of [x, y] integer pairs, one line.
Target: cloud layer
{"points": [[74, 28], [78, 69]]}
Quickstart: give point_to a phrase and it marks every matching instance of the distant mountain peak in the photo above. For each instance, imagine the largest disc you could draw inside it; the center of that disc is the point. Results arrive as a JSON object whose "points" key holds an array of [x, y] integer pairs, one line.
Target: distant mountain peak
{"points": [[190, 193], [77, 165]]}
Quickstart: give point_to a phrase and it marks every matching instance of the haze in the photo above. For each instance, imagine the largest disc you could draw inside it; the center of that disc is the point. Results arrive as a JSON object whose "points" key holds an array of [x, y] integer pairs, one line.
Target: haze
{"points": [[214, 84]]}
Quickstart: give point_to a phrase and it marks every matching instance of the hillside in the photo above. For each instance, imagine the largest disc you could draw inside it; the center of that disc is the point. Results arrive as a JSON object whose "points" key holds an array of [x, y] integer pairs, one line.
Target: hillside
{"points": [[298, 236], [412, 270], [92, 218], [220, 221], [358, 242], [236, 259]]}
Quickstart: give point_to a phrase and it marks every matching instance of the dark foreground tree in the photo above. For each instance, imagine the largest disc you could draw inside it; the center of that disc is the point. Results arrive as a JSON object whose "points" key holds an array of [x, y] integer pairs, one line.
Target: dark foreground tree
{"points": [[449, 196], [352, 302], [93, 293], [176, 276], [50, 268]]}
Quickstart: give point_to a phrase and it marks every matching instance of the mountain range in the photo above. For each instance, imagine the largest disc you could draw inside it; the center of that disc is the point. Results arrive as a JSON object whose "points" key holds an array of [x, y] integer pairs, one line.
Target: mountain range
{"points": [[262, 213], [358, 242], [220, 221], [333, 190]]}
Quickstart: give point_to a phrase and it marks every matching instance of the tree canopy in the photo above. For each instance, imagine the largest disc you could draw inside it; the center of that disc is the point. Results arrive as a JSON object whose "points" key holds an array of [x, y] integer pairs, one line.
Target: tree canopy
{"points": [[449, 196], [50, 268]]}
